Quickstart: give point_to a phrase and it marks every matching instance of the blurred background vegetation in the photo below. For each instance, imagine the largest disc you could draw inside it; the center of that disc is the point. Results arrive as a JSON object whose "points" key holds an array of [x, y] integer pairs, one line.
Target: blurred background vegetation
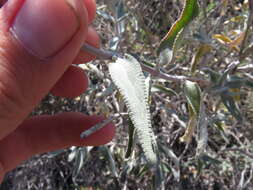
{"points": [[217, 50]]}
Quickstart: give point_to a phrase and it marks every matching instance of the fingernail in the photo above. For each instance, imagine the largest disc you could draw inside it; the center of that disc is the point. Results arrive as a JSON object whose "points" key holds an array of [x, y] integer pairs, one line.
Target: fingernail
{"points": [[44, 27]]}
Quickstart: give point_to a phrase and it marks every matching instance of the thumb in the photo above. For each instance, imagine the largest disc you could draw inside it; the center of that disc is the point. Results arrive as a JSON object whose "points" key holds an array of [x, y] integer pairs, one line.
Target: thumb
{"points": [[39, 39]]}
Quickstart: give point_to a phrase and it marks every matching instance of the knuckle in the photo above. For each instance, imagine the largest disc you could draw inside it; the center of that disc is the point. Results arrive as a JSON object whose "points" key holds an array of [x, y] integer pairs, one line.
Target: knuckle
{"points": [[10, 95]]}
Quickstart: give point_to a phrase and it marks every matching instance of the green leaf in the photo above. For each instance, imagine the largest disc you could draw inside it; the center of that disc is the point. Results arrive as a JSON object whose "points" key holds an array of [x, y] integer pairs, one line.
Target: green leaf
{"points": [[131, 133], [167, 54], [207, 159], [190, 11], [235, 81], [231, 105], [202, 50], [249, 84], [204, 160], [187, 137], [214, 76], [193, 95], [224, 76], [127, 75], [163, 89]]}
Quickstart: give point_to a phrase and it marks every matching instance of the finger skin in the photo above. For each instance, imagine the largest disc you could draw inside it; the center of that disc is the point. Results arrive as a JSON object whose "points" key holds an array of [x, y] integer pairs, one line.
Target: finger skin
{"points": [[93, 39], [72, 84], [48, 133], [90, 4], [25, 80], [91, 9], [2, 2]]}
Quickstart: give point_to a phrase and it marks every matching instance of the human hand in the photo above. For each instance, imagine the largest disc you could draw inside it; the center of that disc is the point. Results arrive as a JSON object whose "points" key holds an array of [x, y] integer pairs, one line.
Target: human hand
{"points": [[39, 40]]}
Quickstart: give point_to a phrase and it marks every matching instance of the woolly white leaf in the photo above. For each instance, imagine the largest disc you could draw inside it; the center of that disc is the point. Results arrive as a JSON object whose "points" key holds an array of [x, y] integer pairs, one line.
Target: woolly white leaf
{"points": [[128, 77]]}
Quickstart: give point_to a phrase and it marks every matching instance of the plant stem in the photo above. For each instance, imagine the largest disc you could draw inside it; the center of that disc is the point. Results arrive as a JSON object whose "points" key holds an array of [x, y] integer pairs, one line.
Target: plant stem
{"points": [[100, 125], [247, 31], [96, 128], [238, 150], [111, 55], [102, 54]]}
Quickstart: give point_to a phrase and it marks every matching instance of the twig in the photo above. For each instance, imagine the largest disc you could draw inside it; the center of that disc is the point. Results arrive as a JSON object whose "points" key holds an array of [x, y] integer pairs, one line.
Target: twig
{"points": [[96, 128], [247, 68], [204, 5], [100, 125], [111, 55], [249, 76], [249, 177], [102, 54], [238, 150], [174, 78], [249, 24], [247, 52]]}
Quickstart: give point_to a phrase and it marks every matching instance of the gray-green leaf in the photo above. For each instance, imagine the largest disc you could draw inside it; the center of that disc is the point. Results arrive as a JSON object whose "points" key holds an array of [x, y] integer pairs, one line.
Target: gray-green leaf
{"points": [[193, 96]]}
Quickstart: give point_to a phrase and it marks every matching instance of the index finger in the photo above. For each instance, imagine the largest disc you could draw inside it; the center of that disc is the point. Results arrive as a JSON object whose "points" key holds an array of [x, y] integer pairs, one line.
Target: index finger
{"points": [[45, 133], [91, 9]]}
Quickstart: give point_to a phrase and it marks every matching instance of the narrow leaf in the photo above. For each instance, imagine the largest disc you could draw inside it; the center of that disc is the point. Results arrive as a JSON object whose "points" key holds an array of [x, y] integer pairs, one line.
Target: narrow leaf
{"points": [[214, 76], [202, 50], [209, 159], [222, 38], [79, 161], [163, 89], [72, 155], [108, 155], [224, 7], [202, 130], [190, 11], [236, 43], [247, 52], [120, 13], [187, 137], [193, 96], [232, 107], [172, 39], [232, 44], [249, 83], [131, 132]]}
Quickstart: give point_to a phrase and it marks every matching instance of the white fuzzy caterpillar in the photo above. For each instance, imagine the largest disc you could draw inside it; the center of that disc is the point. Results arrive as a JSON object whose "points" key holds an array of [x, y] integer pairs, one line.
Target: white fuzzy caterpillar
{"points": [[127, 75]]}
